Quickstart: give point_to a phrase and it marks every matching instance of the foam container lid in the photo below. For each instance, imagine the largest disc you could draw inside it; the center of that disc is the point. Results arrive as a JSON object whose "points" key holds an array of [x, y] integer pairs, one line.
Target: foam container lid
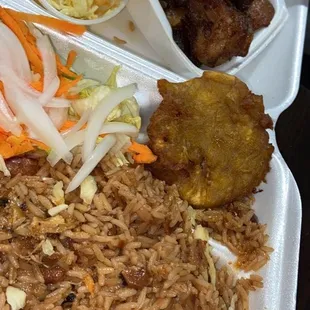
{"points": [[279, 205], [153, 23]]}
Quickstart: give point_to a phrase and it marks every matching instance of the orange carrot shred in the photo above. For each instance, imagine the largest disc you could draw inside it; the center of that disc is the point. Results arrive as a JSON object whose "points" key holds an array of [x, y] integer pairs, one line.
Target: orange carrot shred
{"points": [[63, 69], [69, 124], [66, 85], [49, 22], [13, 146], [23, 27], [71, 59], [32, 56], [39, 144], [38, 85], [1, 87], [142, 154], [72, 96]]}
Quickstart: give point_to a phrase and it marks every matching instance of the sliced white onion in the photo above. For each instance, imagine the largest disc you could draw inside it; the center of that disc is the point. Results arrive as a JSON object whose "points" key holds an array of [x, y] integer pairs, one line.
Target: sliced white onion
{"points": [[7, 120], [58, 116], [119, 127], [100, 113], [45, 99], [74, 139], [92, 161], [35, 118], [49, 60], [58, 103], [11, 77], [50, 91], [82, 121], [4, 168], [6, 56], [51, 80], [20, 61], [61, 100]]}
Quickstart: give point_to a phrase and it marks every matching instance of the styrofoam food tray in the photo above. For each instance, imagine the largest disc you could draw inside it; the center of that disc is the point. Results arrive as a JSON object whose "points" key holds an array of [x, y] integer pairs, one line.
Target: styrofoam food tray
{"points": [[153, 23], [278, 205]]}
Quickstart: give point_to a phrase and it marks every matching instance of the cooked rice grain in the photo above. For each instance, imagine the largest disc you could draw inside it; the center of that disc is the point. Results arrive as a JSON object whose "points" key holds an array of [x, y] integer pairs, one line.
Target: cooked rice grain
{"points": [[135, 242]]}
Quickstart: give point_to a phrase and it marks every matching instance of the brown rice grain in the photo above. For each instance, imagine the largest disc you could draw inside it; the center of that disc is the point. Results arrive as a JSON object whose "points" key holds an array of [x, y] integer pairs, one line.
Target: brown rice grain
{"points": [[79, 216]]}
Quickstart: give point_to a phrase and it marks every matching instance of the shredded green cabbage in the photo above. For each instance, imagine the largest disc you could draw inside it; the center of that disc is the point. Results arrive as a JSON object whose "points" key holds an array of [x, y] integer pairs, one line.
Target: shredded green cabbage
{"points": [[112, 80], [127, 112], [84, 9], [91, 94]]}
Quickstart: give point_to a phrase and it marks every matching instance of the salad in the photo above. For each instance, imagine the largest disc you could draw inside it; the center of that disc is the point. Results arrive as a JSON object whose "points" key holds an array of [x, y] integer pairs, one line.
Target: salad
{"points": [[84, 9], [46, 105]]}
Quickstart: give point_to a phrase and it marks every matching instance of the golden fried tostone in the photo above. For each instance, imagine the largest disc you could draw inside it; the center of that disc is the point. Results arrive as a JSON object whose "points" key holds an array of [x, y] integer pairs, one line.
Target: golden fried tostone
{"points": [[210, 138]]}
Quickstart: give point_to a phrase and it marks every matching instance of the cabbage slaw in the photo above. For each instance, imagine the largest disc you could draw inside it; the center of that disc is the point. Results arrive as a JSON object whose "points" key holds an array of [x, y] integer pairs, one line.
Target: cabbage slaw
{"points": [[45, 104], [84, 9]]}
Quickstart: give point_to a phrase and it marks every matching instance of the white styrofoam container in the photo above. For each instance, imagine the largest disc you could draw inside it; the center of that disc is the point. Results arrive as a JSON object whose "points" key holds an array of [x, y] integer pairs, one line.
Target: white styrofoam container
{"points": [[153, 23], [279, 205]]}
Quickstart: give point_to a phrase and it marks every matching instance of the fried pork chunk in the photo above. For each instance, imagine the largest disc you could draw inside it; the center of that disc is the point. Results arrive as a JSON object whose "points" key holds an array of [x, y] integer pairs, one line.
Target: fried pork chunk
{"points": [[218, 31], [210, 137], [211, 32]]}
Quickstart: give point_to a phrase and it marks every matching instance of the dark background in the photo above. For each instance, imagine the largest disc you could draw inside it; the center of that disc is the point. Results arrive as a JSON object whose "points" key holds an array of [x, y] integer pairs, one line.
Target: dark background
{"points": [[293, 137]]}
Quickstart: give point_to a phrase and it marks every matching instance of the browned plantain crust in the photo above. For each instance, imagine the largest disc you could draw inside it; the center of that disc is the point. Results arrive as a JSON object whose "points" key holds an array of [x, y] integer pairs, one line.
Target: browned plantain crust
{"points": [[210, 137]]}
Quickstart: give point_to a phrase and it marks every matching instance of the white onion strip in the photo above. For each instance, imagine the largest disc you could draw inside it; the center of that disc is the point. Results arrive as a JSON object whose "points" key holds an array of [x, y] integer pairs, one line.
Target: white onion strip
{"points": [[92, 161], [100, 113], [75, 139], [20, 60], [35, 118], [49, 60], [50, 91], [6, 56], [82, 121], [119, 127], [51, 80], [7, 120], [61, 103], [71, 141], [58, 116], [9, 74]]}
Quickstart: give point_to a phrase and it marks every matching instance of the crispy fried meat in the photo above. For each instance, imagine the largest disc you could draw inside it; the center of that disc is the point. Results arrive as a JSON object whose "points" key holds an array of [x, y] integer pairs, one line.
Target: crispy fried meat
{"points": [[261, 13], [211, 32], [217, 31]]}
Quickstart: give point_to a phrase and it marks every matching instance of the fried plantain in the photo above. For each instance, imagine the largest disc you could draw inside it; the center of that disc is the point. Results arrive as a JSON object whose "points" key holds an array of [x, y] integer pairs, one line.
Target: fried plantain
{"points": [[210, 137]]}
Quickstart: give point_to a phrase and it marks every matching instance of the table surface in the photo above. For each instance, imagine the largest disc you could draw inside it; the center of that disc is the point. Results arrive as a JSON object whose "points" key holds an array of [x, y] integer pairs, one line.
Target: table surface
{"points": [[293, 137]]}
